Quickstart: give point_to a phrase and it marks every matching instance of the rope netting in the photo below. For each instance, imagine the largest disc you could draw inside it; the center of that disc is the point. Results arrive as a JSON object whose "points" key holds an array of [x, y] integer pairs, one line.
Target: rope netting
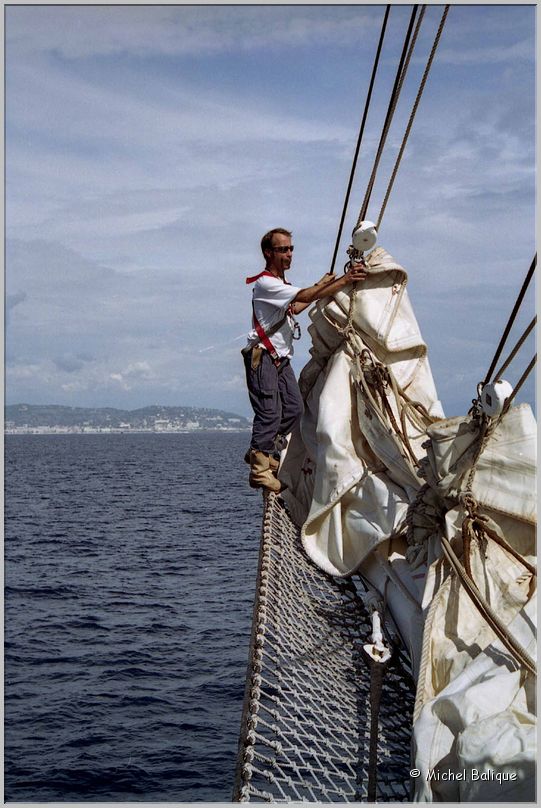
{"points": [[305, 729]]}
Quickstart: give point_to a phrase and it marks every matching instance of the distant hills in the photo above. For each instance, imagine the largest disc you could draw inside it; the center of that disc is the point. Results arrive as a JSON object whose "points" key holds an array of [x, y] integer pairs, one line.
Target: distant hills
{"points": [[56, 417]]}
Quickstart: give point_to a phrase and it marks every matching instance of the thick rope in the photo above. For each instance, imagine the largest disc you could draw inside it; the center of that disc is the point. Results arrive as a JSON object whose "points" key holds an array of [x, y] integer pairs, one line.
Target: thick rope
{"points": [[360, 137], [384, 410], [519, 653], [413, 411], [487, 427], [412, 116], [395, 94], [481, 523], [473, 525], [373, 384]]}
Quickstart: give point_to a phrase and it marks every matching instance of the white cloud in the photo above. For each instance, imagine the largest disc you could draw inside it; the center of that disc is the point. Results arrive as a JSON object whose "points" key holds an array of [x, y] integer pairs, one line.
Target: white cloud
{"points": [[82, 32], [106, 116], [16, 372], [144, 161], [517, 51]]}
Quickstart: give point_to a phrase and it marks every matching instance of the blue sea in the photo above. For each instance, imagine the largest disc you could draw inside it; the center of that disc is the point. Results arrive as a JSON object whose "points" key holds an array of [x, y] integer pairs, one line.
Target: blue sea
{"points": [[130, 567]]}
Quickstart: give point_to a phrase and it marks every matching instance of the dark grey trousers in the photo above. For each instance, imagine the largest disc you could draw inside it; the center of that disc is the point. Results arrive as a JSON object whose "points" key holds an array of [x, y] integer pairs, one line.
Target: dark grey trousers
{"points": [[275, 398]]}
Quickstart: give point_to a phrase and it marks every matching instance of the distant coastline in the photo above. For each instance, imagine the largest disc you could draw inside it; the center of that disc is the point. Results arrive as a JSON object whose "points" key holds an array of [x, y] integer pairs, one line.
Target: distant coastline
{"points": [[115, 431], [56, 419]]}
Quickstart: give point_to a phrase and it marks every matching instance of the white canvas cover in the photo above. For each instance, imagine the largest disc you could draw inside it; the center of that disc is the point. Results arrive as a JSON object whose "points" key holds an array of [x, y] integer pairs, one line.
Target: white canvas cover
{"points": [[475, 707], [343, 447], [358, 491]]}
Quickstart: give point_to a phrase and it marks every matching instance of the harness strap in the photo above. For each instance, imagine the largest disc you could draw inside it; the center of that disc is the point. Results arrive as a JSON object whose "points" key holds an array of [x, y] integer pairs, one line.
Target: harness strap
{"points": [[261, 333], [264, 338]]}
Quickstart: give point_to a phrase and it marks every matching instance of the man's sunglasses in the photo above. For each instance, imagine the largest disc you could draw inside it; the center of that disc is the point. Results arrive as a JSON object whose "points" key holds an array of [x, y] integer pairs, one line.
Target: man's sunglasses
{"points": [[283, 249]]}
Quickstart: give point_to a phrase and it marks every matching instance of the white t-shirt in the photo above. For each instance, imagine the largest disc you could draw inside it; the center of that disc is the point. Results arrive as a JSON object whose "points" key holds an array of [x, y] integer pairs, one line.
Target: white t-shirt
{"points": [[271, 297]]}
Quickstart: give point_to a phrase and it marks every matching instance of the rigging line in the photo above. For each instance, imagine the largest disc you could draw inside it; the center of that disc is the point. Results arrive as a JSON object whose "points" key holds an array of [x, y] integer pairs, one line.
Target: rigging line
{"points": [[397, 87], [511, 319], [412, 116], [515, 350], [518, 386], [399, 79], [501, 630], [361, 132]]}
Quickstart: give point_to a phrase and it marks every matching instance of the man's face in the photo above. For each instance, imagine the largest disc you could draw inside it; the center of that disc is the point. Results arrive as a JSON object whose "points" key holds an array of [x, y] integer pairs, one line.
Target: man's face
{"points": [[278, 260]]}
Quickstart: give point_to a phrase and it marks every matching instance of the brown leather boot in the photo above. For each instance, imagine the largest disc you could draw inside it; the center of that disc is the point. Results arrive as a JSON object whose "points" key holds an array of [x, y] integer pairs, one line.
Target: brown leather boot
{"points": [[261, 475], [274, 463]]}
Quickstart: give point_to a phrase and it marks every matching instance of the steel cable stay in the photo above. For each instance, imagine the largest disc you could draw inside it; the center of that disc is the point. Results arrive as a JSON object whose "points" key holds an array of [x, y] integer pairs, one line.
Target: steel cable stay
{"points": [[409, 125], [412, 116], [518, 385], [361, 133], [408, 47], [516, 349], [524, 376], [477, 403], [512, 317], [405, 57]]}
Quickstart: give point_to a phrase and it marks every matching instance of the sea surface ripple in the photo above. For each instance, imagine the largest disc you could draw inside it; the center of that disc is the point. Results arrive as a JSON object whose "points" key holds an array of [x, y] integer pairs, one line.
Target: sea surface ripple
{"points": [[130, 566]]}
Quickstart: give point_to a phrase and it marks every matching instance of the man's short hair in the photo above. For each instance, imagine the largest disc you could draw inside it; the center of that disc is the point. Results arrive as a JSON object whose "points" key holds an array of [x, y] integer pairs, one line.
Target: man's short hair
{"points": [[266, 241]]}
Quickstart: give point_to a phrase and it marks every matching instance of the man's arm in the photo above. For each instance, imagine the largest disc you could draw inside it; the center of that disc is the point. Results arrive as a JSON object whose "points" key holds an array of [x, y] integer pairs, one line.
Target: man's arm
{"points": [[296, 308], [325, 288]]}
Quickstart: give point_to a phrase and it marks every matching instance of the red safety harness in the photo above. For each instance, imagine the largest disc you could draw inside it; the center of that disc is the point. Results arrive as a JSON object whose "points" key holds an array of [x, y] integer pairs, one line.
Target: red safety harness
{"points": [[261, 333]]}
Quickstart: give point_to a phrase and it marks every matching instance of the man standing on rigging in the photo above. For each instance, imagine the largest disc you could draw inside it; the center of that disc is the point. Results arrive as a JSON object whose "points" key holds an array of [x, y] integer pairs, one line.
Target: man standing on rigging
{"points": [[274, 393]]}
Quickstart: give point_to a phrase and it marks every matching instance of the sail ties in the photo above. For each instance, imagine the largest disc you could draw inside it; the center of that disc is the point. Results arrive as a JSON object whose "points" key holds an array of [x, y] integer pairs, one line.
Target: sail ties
{"points": [[379, 387], [476, 525], [477, 530], [380, 380]]}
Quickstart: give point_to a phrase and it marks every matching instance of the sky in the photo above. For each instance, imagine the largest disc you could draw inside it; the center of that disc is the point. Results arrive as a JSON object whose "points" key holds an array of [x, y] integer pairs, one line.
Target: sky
{"points": [[149, 147]]}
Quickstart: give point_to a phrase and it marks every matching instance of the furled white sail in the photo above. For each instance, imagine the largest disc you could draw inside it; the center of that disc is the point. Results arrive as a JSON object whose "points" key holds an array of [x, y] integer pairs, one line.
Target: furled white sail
{"points": [[438, 513]]}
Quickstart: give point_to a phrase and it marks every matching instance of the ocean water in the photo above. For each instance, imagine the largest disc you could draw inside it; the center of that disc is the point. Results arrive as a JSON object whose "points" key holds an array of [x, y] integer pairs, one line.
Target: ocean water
{"points": [[130, 566]]}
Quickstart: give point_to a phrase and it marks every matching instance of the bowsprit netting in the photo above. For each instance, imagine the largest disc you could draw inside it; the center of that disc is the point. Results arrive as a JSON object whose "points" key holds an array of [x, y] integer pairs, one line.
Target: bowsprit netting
{"points": [[305, 730]]}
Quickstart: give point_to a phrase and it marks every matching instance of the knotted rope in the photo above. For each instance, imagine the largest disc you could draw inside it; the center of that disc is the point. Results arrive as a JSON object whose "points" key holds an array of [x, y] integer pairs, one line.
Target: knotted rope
{"points": [[377, 381], [477, 529], [485, 610]]}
